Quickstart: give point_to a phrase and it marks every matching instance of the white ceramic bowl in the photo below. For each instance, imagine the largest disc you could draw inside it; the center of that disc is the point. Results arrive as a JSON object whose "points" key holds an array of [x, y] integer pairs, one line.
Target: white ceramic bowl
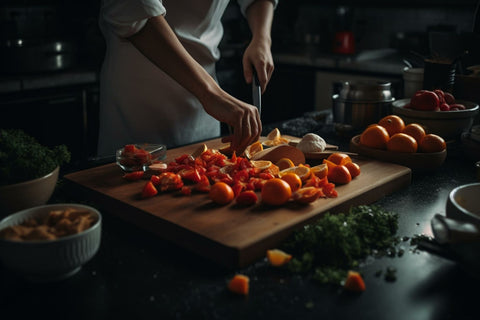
{"points": [[31, 193], [447, 124], [463, 203], [49, 260]]}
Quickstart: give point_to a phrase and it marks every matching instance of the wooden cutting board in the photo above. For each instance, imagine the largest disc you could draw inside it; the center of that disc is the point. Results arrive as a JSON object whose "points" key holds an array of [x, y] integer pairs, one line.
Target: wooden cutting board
{"points": [[230, 235]]}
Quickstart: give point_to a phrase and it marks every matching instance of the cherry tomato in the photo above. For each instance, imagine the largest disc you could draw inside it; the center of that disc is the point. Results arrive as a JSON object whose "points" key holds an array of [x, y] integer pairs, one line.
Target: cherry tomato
{"points": [[247, 198]]}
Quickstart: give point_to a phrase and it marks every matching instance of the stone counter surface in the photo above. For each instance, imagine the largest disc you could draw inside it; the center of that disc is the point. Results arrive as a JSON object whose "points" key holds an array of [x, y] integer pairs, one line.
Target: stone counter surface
{"points": [[136, 275]]}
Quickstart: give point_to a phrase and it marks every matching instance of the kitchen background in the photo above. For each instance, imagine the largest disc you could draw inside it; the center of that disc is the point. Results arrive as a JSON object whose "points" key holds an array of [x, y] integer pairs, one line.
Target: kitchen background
{"points": [[51, 52]]}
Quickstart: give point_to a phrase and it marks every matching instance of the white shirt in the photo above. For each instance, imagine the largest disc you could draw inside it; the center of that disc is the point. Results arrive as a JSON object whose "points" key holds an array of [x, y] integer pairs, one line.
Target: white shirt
{"points": [[139, 102]]}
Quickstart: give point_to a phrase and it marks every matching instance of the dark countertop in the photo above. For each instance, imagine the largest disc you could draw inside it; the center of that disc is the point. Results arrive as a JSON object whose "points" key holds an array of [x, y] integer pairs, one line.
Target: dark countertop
{"points": [[136, 275], [380, 61]]}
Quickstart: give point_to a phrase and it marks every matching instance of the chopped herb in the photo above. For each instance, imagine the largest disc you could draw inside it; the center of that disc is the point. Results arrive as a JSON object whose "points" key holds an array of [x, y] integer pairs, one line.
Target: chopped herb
{"points": [[336, 243]]}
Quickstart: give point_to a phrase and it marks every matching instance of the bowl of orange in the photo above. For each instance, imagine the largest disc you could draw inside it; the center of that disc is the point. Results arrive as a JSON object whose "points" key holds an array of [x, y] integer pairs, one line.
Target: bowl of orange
{"points": [[392, 140]]}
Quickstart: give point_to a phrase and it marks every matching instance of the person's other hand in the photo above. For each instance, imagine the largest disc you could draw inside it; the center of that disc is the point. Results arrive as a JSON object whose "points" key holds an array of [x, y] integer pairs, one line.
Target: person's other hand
{"points": [[244, 119], [259, 56]]}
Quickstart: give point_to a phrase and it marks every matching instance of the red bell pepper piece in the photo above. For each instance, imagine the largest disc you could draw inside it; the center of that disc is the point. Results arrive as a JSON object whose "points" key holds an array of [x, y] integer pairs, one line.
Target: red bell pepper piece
{"points": [[149, 190], [133, 176]]}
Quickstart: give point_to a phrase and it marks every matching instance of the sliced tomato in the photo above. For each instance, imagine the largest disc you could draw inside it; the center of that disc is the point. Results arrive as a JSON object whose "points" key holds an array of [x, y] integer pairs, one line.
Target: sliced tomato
{"points": [[203, 185], [191, 174], [149, 190], [238, 187], [155, 180], [329, 190], [186, 190], [133, 176], [247, 198]]}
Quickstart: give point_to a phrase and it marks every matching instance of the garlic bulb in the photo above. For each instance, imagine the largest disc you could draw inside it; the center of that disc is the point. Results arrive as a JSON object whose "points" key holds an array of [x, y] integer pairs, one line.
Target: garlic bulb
{"points": [[312, 142]]}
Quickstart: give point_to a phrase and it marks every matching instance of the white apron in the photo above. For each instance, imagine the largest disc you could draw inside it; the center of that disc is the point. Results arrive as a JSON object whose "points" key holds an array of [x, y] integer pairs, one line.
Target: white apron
{"points": [[139, 102]]}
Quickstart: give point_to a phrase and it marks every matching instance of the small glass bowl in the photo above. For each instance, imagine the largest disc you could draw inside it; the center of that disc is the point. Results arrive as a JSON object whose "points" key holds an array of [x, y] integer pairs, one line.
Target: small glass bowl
{"points": [[144, 155]]}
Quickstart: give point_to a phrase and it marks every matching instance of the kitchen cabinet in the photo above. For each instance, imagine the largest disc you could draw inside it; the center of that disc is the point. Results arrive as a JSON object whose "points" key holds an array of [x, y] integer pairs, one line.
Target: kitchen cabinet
{"points": [[59, 115]]}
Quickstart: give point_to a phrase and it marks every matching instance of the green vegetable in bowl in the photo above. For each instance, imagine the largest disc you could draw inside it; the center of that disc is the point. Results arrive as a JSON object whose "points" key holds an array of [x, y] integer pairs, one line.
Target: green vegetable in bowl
{"points": [[23, 158]]}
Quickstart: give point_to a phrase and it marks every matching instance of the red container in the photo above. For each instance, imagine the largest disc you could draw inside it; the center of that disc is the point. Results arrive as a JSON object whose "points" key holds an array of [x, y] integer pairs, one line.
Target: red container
{"points": [[344, 42]]}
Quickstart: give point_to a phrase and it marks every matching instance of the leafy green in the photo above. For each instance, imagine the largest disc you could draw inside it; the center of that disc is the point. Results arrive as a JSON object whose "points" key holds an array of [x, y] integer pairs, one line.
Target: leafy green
{"points": [[23, 158], [335, 243]]}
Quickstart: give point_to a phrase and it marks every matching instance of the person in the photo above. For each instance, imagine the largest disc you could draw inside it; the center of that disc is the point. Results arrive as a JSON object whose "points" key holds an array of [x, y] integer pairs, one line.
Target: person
{"points": [[157, 81]]}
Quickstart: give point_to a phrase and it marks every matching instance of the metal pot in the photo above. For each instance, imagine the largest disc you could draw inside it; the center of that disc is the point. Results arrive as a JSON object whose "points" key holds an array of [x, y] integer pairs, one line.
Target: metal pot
{"points": [[366, 91], [361, 103], [358, 115]]}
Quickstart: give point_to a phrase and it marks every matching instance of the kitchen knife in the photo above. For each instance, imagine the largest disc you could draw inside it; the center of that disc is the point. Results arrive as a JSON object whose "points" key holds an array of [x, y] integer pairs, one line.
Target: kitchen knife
{"points": [[257, 93]]}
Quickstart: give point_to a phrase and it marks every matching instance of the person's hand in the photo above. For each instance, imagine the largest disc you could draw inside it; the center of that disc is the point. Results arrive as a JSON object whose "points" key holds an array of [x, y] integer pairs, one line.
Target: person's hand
{"points": [[244, 118], [259, 56]]}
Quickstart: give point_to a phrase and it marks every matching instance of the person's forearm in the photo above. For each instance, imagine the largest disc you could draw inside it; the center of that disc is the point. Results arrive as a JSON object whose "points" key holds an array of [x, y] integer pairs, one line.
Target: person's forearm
{"points": [[260, 18], [159, 44]]}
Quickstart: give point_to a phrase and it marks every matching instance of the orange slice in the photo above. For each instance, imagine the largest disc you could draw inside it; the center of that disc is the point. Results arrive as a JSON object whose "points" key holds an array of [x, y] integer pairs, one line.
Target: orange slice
{"points": [[253, 149], [285, 163], [261, 164], [277, 257], [274, 134], [320, 171], [302, 171]]}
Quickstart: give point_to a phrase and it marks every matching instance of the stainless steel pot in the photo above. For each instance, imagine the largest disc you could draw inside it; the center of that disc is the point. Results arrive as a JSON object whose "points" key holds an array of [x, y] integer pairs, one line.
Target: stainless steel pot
{"points": [[366, 91], [359, 115], [361, 103]]}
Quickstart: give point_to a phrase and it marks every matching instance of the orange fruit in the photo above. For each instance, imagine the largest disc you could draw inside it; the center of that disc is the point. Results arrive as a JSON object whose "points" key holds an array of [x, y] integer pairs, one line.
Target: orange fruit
{"points": [[375, 136], [432, 143], [339, 175], [277, 257], [393, 124], [329, 164], [276, 192], [339, 158], [293, 180], [285, 163], [321, 171], [415, 130], [253, 149], [353, 168], [221, 193], [401, 142]]}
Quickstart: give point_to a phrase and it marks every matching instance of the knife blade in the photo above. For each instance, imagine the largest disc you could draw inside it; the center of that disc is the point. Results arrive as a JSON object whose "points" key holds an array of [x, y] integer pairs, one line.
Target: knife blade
{"points": [[257, 93]]}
